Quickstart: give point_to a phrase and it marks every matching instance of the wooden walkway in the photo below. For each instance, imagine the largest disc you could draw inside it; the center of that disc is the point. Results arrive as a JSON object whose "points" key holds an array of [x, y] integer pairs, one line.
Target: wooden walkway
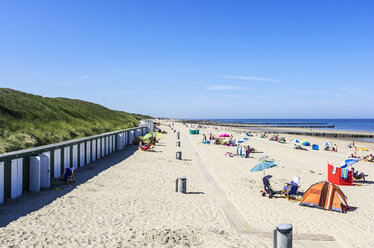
{"points": [[233, 216]]}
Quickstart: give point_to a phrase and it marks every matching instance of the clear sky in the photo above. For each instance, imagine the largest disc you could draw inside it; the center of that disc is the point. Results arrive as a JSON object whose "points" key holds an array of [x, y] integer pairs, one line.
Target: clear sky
{"points": [[194, 58]]}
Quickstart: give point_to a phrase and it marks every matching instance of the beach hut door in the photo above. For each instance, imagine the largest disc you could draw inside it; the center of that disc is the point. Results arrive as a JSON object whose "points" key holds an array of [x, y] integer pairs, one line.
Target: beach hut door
{"points": [[57, 163], [1, 182], [45, 170], [16, 178], [34, 174]]}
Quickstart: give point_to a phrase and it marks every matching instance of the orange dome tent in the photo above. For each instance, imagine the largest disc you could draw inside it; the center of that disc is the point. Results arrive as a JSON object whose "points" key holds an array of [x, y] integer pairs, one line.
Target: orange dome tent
{"points": [[325, 195]]}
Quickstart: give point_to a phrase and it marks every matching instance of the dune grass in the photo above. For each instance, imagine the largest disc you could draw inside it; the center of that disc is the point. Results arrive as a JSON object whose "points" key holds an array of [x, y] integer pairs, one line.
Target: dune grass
{"points": [[28, 120]]}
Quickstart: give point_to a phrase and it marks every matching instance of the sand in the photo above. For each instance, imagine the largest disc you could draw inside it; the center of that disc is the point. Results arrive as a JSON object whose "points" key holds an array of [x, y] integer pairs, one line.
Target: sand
{"points": [[129, 200]]}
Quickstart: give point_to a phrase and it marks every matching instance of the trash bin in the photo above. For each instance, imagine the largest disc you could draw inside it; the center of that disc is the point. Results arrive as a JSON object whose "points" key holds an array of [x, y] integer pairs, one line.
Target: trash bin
{"points": [[181, 185], [283, 236], [179, 155]]}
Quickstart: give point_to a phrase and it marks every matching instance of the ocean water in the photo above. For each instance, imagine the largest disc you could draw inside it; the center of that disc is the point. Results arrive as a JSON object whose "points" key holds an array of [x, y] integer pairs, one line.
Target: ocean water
{"points": [[340, 124]]}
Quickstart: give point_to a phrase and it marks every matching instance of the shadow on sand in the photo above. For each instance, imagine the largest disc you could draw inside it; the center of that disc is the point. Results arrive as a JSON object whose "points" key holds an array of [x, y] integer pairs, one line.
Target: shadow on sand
{"points": [[33, 201]]}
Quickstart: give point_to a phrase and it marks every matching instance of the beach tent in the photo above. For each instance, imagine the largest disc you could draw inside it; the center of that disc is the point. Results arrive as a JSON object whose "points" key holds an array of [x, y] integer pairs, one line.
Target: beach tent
{"points": [[305, 142], [282, 140], [325, 195], [315, 147], [194, 131]]}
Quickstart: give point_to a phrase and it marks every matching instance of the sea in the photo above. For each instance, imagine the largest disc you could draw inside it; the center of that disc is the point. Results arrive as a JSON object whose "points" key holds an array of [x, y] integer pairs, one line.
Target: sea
{"points": [[366, 125]]}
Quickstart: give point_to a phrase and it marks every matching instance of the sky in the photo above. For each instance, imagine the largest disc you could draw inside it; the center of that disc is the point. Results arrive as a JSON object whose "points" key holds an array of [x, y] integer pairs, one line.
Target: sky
{"points": [[193, 58]]}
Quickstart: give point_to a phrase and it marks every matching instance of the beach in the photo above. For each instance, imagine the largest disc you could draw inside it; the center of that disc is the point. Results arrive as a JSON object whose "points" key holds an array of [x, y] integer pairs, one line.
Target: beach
{"points": [[128, 199]]}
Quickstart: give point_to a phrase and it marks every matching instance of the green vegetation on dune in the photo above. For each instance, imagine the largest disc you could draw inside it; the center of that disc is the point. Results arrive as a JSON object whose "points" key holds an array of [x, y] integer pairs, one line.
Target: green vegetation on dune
{"points": [[28, 120]]}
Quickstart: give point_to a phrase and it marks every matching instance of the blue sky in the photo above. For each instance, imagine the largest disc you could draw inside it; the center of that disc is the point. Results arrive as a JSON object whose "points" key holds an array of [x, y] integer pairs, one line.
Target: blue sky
{"points": [[195, 59]]}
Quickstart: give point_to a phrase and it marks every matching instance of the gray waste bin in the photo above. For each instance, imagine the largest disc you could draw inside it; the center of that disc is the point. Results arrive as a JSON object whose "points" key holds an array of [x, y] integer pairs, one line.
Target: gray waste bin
{"points": [[179, 155], [181, 185], [283, 236]]}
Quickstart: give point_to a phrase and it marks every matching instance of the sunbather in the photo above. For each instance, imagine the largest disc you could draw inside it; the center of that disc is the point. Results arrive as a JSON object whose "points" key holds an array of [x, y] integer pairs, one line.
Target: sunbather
{"points": [[297, 147], [358, 176], [369, 158]]}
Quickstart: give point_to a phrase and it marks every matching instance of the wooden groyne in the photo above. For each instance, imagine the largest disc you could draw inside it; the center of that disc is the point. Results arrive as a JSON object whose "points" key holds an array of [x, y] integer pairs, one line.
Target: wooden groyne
{"points": [[263, 125], [323, 134]]}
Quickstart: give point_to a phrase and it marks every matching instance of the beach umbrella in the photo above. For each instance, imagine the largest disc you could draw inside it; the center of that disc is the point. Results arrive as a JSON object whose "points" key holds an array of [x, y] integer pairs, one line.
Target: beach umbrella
{"points": [[348, 162], [264, 165], [224, 135], [296, 141], [147, 136], [327, 144]]}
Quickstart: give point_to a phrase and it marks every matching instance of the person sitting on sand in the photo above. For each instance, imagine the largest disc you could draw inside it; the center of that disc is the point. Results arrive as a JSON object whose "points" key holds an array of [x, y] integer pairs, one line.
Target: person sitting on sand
{"points": [[141, 144], [357, 175], [369, 158]]}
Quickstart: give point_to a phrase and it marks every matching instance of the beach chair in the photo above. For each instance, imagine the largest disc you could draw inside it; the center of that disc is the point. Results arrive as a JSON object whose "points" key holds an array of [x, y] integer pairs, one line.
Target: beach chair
{"points": [[359, 176], [68, 176], [267, 187], [291, 189]]}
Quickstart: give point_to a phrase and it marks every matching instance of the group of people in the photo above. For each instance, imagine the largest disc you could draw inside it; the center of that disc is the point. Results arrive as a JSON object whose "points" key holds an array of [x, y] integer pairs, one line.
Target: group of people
{"points": [[247, 150], [334, 148], [367, 158], [152, 141], [211, 137]]}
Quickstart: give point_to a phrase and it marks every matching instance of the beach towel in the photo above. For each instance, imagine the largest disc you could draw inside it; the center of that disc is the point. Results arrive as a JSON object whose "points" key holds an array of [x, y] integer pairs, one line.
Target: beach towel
{"points": [[334, 170], [241, 151], [229, 155], [344, 173]]}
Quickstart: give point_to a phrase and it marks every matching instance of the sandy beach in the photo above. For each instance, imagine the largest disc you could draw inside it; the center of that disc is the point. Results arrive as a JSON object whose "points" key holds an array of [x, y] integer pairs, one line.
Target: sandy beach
{"points": [[129, 199]]}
